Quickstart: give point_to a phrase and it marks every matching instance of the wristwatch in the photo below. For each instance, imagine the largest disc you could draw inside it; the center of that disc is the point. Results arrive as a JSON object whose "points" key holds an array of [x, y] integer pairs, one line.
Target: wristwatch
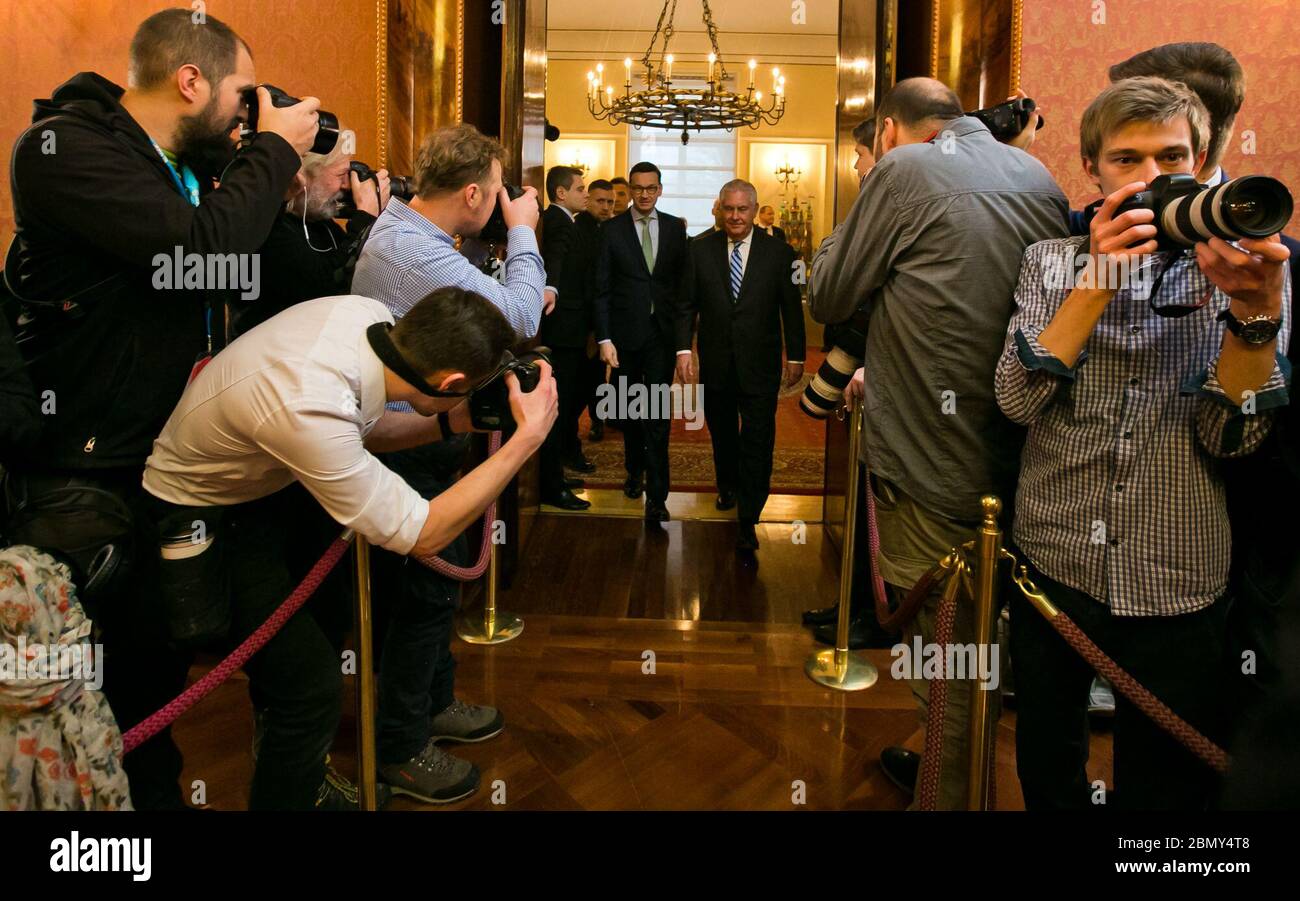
{"points": [[1259, 329]]}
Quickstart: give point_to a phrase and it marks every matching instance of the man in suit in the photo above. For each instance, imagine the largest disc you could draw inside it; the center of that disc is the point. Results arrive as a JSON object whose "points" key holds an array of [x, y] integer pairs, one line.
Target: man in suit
{"points": [[741, 284], [767, 223], [622, 194], [567, 251], [717, 222], [640, 265], [600, 209]]}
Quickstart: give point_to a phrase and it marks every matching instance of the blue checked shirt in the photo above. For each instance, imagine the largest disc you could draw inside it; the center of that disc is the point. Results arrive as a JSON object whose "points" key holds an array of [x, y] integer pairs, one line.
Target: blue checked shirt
{"points": [[1119, 492], [406, 257]]}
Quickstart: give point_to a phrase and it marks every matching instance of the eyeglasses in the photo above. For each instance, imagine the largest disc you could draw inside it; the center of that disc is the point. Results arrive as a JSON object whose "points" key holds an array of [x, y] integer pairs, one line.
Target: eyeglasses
{"points": [[652, 189]]}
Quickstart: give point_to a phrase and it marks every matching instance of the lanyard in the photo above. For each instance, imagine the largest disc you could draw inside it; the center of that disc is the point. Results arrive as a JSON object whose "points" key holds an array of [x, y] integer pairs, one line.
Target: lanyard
{"points": [[185, 181]]}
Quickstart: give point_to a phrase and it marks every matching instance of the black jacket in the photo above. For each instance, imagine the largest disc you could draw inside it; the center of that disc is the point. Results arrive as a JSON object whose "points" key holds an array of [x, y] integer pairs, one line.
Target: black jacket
{"points": [[743, 337], [569, 248], [96, 211], [293, 270], [626, 291]]}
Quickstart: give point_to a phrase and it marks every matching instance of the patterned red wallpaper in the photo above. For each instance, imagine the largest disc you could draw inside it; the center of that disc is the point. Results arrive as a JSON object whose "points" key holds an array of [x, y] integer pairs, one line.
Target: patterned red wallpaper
{"points": [[323, 47], [1069, 44]]}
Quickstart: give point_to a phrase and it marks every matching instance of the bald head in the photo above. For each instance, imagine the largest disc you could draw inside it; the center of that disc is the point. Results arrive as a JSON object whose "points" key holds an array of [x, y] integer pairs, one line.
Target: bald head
{"points": [[912, 110]]}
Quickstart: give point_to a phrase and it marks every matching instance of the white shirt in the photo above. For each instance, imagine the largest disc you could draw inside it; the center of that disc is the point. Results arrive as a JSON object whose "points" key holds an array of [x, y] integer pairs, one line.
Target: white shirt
{"points": [[292, 399]]}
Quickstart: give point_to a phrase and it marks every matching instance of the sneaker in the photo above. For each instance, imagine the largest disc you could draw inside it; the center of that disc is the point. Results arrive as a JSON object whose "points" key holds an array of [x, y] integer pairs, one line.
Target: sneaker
{"points": [[432, 776], [466, 723], [337, 792]]}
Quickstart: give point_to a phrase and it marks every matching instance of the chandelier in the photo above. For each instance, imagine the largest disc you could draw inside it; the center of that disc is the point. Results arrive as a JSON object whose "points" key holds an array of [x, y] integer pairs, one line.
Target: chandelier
{"points": [[660, 104]]}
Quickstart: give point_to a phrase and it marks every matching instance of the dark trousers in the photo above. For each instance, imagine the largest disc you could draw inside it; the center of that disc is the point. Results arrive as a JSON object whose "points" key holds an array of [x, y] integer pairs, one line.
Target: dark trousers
{"points": [[562, 443], [645, 438], [593, 377], [742, 427], [417, 670], [1178, 658]]}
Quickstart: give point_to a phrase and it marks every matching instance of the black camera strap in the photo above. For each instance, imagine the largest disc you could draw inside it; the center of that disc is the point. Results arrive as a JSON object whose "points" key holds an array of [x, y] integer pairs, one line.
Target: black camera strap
{"points": [[382, 344]]}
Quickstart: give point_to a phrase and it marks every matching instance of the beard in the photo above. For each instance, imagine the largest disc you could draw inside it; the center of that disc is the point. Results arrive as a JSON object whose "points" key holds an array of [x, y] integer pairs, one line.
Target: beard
{"points": [[320, 208], [203, 141]]}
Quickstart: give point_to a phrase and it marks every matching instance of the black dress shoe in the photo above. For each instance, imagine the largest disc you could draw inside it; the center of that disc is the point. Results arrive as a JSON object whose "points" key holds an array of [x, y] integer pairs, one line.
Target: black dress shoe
{"points": [[822, 616], [574, 482], [632, 487], [580, 464], [726, 501], [901, 767], [746, 537], [656, 511], [597, 432], [859, 634], [566, 500]]}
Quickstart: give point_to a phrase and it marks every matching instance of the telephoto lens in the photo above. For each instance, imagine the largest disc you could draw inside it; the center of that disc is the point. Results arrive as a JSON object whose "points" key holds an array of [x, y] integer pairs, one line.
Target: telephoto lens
{"points": [[826, 390], [327, 135], [1253, 206]]}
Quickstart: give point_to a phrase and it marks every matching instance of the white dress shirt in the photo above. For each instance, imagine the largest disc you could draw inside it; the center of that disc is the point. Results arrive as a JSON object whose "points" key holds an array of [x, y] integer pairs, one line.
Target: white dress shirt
{"points": [[292, 399]]}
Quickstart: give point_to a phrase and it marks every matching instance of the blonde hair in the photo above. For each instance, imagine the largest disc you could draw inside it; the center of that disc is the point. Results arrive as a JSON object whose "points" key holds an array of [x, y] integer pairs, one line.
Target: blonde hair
{"points": [[451, 158], [1141, 99]]}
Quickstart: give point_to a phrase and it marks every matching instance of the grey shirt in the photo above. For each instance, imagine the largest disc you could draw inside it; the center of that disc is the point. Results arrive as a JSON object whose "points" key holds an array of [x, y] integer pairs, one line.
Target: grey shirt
{"points": [[932, 248]]}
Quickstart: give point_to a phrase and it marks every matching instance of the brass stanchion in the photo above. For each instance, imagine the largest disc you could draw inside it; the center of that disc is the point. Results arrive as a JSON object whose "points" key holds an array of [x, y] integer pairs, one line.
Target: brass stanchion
{"points": [[496, 626], [988, 551], [365, 680], [842, 669]]}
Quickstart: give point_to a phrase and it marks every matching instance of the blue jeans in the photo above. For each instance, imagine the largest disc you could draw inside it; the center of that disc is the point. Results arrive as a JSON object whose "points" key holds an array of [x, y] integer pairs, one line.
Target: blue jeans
{"points": [[417, 670]]}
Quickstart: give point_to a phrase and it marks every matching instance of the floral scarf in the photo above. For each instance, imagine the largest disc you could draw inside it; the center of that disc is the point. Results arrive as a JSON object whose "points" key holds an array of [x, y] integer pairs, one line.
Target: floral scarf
{"points": [[60, 748]]}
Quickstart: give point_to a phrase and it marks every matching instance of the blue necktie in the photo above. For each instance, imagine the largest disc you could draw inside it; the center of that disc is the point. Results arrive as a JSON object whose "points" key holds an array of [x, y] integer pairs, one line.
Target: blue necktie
{"points": [[737, 272]]}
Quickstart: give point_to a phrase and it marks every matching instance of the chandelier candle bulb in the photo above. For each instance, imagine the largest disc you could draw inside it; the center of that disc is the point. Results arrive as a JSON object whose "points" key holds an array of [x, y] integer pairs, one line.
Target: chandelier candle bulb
{"points": [[752, 66], [668, 68], [627, 68]]}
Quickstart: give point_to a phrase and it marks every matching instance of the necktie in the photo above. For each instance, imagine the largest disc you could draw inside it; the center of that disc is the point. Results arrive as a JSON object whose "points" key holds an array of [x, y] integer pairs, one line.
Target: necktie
{"points": [[737, 272], [647, 247]]}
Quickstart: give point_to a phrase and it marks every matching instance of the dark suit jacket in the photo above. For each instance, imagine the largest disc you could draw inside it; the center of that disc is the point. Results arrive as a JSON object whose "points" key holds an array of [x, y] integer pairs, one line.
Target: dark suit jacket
{"points": [[569, 254], [744, 336], [626, 290], [777, 232]]}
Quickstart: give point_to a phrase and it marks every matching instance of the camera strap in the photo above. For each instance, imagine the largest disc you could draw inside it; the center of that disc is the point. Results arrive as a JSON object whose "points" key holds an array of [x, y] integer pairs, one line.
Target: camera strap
{"points": [[382, 344]]}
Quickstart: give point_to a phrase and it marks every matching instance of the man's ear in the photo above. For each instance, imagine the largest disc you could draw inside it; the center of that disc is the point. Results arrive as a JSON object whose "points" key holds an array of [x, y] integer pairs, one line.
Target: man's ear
{"points": [[1090, 170], [454, 381], [888, 135], [190, 81], [473, 193]]}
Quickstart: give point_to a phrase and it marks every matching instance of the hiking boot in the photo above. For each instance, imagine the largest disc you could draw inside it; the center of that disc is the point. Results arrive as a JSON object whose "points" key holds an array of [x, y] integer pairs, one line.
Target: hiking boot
{"points": [[466, 723], [337, 792], [432, 776]]}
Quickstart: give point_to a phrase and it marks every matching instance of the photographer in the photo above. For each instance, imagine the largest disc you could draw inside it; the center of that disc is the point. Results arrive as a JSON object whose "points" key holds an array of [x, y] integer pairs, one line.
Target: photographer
{"points": [[109, 187], [411, 249], [302, 398], [308, 254], [930, 252], [1131, 393]]}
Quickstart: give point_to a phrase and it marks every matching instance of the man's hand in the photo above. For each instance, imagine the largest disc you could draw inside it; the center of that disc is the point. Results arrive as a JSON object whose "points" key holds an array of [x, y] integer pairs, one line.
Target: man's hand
{"points": [[1252, 275], [608, 355], [856, 391], [523, 211], [548, 302], [365, 196], [793, 373], [1026, 138], [685, 369], [536, 411], [1131, 234], [297, 124]]}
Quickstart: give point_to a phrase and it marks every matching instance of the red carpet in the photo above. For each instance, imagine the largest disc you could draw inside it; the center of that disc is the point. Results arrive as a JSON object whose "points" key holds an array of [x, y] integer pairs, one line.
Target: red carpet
{"points": [[797, 464]]}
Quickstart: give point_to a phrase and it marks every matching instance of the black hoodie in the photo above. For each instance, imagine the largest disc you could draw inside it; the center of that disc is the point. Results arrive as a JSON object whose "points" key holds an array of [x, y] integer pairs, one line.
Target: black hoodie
{"points": [[94, 203]]}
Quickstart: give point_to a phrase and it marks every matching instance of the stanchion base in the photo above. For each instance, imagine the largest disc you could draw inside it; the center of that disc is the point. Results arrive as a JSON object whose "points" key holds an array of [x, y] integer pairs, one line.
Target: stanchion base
{"points": [[474, 630], [857, 674]]}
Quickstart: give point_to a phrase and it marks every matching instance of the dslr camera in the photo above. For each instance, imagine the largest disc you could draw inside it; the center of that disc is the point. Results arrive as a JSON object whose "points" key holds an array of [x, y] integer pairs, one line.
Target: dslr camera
{"points": [[495, 230], [402, 186], [1006, 120], [489, 404], [1186, 211], [327, 135], [846, 344]]}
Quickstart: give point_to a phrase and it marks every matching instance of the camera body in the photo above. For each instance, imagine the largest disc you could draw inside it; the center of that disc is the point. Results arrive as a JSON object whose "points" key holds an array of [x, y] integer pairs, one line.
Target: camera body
{"points": [[1006, 120], [489, 405], [1186, 211], [494, 232], [847, 343], [327, 135], [402, 186]]}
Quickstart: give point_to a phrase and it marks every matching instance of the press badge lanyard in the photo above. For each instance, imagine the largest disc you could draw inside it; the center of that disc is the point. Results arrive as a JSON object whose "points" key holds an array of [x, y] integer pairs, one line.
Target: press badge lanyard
{"points": [[188, 185]]}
